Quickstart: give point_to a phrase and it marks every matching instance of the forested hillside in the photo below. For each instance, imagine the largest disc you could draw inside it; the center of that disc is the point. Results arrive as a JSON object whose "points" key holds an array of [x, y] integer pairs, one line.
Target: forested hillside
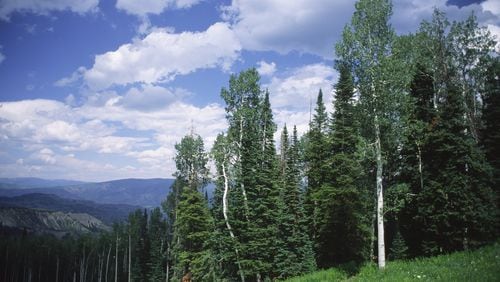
{"points": [[405, 165]]}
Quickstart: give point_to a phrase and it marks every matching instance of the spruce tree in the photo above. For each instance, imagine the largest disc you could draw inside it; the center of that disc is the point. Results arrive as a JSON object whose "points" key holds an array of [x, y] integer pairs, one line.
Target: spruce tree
{"points": [[193, 228], [379, 75], [294, 255], [456, 205], [343, 226], [419, 119], [262, 196], [193, 223], [316, 164], [490, 140], [158, 242]]}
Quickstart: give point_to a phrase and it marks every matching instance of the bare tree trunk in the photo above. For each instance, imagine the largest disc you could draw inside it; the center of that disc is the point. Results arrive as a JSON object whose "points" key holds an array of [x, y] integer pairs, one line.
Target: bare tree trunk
{"points": [[57, 269], [420, 166], [116, 260], [243, 191], [107, 263], [82, 267], [380, 197], [129, 259], [167, 274], [226, 219]]}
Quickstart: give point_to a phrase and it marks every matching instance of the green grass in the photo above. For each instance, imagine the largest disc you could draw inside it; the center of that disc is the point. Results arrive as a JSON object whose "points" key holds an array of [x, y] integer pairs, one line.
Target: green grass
{"points": [[479, 265]]}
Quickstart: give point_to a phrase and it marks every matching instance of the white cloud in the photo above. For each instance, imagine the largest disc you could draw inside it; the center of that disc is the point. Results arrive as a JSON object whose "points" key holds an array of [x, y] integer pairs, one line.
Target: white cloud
{"points": [[43, 7], [150, 97], [297, 88], [492, 6], [284, 26], [293, 95], [162, 55], [100, 139], [66, 81], [265, 68], [144, 7], [2, 56], [315, 26]]}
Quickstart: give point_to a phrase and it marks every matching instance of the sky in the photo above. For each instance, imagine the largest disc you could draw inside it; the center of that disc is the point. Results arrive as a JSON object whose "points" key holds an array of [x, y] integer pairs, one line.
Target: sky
{"points": [[96, 90]]}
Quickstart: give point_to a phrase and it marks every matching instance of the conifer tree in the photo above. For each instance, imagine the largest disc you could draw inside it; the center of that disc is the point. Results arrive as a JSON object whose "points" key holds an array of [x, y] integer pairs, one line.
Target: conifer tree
{"points": [[294, 255], [456, 205], [343, 233], [419, 119], [491, 116], [366, 47], [262, 196], [193, 228], [193, 224], [316, 164], [158, 242]]}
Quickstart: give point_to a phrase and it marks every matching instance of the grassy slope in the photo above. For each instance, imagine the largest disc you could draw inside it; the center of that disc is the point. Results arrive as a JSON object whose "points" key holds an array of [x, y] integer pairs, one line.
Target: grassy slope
{"points": [[478, 265]]}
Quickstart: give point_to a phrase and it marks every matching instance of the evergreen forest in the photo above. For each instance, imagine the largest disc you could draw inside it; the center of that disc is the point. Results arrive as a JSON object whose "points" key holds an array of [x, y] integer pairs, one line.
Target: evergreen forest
{"points": [[405, 165]]}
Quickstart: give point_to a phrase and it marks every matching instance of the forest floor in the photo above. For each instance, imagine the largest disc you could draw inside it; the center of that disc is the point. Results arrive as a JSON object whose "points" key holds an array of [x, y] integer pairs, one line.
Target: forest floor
{"points": [[479, 265]]}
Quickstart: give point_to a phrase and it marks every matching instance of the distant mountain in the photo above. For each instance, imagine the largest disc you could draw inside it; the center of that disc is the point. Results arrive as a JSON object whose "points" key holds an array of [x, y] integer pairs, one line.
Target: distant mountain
{"points": [[137, 192], [32, 182], [108, 213], [43, 221]]}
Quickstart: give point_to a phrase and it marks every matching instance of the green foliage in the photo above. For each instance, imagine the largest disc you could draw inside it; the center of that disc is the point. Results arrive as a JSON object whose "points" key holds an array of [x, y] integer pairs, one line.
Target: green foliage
{"points": [[294, 249], [456, 206], [193, 228], [490, 140], [343, 215], [478, 265], [316, 155], [399, 250]]}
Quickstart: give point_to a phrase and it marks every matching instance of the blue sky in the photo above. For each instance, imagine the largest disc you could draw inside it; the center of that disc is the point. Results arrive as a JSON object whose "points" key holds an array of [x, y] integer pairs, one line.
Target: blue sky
{"points": [[96, 90]]}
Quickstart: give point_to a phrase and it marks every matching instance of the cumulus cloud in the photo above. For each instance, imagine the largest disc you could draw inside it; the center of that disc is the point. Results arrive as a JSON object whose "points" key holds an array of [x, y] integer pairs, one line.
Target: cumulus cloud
{"points": [[301, 25], [293, 94], [144, 7], [43, 7], [162, 55], [150, 97], [315, 26], [50, 138], [296, 88], [2, 56], [265, 68]]}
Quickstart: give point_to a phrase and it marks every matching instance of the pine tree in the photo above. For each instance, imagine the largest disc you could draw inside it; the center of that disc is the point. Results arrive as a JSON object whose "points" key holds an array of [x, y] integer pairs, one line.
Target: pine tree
{"points": [[193, 228], [262, 195], [226, 247], [399, 250], [365, 47], [316, 165], [158, 241], [294, 255], [419, 119], [456, 205], [193, 224], [490, 140], [139, 253], [343, 233]]}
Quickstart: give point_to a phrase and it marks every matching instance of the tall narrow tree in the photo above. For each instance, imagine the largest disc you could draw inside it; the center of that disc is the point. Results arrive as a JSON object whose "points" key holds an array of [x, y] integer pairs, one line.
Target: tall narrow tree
{"points": [[316, 164], [344, 227], [365, 47]]}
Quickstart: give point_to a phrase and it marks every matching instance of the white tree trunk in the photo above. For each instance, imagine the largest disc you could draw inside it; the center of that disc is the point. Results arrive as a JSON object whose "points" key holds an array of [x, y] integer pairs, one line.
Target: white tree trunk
{"points": [[116, 260], [380, 197], [226, 219], [129, 259], [57, 269], [107, 263]]}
